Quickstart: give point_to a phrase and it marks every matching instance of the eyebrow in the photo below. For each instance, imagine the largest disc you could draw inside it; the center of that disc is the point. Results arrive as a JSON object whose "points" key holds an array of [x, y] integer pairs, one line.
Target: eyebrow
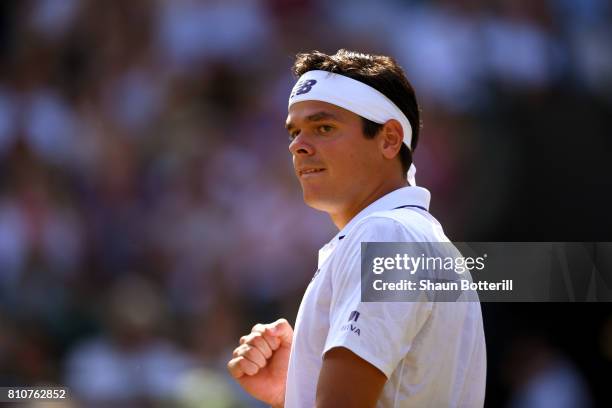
{"points": [[315, 117]]}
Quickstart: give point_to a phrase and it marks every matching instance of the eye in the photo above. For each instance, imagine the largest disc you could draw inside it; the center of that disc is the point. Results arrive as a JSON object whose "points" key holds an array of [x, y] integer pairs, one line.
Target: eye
{"points": [[325, 128], [293, 135]]}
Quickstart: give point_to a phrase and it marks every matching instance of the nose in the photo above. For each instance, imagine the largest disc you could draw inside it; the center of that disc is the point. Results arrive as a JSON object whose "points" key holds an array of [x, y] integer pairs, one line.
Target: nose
{"points": [[301, 146]]}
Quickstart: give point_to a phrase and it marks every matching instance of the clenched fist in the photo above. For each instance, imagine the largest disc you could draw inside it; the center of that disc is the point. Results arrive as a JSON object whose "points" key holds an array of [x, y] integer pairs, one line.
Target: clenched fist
{"points": [[260, 362]]}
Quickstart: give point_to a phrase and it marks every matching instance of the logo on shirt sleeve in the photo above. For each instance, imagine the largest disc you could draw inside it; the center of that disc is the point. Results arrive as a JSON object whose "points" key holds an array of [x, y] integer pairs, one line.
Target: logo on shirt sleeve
{"points": [[350, 326]]}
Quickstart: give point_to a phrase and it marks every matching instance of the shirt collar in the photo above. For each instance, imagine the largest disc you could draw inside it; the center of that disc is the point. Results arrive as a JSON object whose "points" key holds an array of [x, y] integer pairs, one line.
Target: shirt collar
{"points": [[405, 196], [417, 196]]}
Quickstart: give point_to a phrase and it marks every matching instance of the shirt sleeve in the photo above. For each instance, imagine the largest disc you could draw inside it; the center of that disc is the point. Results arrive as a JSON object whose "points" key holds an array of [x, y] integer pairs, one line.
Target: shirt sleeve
{"points": [[381, 333]]}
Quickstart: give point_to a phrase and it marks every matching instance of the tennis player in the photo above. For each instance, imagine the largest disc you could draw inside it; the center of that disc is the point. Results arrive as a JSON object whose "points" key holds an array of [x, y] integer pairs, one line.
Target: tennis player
{"points": [[353, 123]]}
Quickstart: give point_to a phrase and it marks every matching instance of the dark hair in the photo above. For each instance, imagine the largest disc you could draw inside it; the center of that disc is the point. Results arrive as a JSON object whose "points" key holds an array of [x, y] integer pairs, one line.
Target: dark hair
{"points": [[378, 71]]}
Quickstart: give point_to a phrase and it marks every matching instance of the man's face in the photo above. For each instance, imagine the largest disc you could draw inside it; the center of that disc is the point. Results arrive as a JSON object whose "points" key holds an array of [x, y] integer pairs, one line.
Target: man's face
{"points": [[335, 163]]}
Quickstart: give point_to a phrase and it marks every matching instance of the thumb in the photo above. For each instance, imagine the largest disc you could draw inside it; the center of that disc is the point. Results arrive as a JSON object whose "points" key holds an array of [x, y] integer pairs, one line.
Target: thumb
{"points": [[282, 329]]}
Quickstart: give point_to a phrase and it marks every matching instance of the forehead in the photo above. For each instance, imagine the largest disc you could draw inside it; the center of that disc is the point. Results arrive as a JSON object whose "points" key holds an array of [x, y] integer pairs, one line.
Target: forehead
{"points": [[309, 109]]}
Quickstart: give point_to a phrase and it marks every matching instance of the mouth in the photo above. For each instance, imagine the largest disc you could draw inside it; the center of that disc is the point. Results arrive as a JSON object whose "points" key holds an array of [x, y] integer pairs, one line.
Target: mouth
{"points": [[310, 172]]}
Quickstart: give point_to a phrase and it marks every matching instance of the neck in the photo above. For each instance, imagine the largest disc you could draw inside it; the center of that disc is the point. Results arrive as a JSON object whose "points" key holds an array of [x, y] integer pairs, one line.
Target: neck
{"points": [[342, 218]]}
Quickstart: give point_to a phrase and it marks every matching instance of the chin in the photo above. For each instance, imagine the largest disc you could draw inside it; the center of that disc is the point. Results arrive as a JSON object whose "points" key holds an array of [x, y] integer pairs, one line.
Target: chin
{"points": [[318, 201]]}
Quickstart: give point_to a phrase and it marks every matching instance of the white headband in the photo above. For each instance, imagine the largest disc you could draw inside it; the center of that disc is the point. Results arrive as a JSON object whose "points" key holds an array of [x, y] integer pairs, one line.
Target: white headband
{"points": [[354, 96]]}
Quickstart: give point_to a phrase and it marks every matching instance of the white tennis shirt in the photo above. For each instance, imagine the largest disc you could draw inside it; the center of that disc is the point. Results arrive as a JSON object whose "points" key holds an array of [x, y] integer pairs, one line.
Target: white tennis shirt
{"points": [[433, 354]]}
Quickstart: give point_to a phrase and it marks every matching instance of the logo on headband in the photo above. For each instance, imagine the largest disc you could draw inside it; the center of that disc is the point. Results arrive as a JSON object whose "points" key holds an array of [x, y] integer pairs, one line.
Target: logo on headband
{"points": [[302, 87]]}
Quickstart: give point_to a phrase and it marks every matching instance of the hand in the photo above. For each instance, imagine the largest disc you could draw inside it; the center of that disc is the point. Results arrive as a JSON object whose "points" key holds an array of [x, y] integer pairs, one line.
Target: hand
{"points": [[260, 362]]}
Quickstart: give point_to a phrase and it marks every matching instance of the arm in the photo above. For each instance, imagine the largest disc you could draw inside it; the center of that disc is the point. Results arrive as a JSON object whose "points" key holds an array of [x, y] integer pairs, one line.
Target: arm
{"points": [[347, 380], [366, 340]]}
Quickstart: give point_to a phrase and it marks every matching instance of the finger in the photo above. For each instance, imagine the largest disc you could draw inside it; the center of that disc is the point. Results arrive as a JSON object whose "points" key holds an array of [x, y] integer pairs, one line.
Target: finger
{"points": [[252, 354], [282, 330], [234, 368], [257, 340], [259, 328], [237, 352], [260, 344], [272, 341], [240, 366], [255, 329], [256, 356], [240, 350]]}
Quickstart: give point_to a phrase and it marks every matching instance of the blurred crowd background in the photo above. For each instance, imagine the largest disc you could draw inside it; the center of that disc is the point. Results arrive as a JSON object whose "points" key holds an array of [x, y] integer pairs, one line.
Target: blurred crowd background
{"points": [[149, 214]]}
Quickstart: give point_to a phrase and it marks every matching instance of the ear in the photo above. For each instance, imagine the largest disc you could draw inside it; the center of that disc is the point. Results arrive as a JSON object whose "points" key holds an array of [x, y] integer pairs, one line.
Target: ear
{"points": [[391, 139]]}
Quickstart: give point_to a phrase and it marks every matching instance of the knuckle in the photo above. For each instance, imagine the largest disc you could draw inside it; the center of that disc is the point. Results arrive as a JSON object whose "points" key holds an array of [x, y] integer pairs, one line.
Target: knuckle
{"points": [[260, 347], [243, 365], [237, 351], [262, 344], [272, 340], [253, 355], [250, 353], [240, 351], [234, 365]]}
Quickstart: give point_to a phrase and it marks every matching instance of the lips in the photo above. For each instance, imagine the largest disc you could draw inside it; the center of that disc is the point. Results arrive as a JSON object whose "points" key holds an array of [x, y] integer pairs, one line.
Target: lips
{"points": [[307, 171]]}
